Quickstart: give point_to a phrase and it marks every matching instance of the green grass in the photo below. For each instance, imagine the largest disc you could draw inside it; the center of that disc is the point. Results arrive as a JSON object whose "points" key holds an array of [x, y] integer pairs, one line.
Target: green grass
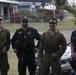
{"points": [[13, 61], [69, 14], [67, 25]]}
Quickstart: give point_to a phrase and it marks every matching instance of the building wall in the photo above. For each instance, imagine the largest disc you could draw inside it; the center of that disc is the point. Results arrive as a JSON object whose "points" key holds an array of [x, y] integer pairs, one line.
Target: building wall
{"points": [[7, 8]]}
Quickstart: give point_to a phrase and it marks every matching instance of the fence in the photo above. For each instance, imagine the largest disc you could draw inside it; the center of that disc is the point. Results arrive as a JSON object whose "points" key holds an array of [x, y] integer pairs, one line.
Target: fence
{"points": [[40, 18]]}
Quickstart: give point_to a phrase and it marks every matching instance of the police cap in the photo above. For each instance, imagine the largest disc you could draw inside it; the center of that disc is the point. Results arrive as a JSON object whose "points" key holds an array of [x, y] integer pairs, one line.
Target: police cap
{"points": [[24, 19]]}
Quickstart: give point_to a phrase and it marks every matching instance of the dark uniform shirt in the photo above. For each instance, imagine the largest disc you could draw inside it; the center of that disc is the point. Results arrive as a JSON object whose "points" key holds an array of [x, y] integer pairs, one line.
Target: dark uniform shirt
{"points": [[57, 41], [73, 39], [23, 40]]}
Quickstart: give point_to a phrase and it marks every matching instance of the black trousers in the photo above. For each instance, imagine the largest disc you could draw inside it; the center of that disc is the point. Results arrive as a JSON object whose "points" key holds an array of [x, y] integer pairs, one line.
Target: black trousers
{"points": [[73, 64], [4, 65], [25, 62]]}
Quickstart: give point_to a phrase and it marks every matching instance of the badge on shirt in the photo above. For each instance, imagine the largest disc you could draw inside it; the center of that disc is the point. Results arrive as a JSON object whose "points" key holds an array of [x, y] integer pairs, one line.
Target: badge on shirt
{"points": [[25, 37], [19, 32], [29, 33]]}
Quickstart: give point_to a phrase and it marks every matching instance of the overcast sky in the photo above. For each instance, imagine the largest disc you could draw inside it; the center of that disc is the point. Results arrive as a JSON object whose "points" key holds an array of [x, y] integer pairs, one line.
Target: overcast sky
{"points": [[72, 2]]}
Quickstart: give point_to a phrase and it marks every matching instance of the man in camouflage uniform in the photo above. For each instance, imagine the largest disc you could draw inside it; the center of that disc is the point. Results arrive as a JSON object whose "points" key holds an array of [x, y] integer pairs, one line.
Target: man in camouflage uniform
{"points": [[52, 47], [4, 47]]}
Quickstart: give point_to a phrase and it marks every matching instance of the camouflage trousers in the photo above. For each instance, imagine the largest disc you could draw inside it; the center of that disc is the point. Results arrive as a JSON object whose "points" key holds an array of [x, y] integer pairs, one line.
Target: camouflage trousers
{"points": [[53, 63], [4, 66]]}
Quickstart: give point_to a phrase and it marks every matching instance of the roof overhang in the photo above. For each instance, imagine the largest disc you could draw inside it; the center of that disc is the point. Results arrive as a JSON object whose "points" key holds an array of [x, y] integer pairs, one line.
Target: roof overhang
{"points": [[35, 0], [9, 1]]}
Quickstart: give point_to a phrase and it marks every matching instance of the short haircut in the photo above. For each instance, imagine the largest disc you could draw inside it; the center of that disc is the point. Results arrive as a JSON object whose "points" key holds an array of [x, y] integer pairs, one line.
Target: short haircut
{"points": [[54, 19]]}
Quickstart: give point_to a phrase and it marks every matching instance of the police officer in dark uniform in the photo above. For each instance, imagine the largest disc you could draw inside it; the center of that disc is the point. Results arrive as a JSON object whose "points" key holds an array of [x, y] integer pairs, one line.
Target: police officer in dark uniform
{"points": [[73, 49], [25, 48]]}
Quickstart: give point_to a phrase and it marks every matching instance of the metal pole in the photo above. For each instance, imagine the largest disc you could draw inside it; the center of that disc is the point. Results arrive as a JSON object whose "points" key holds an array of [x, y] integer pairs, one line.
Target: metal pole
{"points": [[53, 2], [10, 11]]}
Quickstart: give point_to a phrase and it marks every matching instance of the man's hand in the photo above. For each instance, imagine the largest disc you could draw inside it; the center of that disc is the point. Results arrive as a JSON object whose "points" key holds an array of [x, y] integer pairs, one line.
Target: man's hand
{"points": [[4, 49], [53, 55], [74, 56], [15, 51], [36, 50]]}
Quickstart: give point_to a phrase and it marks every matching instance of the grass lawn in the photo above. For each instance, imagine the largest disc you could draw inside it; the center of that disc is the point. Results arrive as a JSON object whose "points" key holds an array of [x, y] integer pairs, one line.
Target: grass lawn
{"points": [[67, 25], [13, 63], [62, 26]]}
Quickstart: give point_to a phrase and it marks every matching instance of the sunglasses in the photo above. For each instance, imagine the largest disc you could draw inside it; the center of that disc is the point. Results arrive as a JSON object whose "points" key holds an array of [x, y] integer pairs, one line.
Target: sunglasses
{"points": [[25, 21], [53, 23], [1, 19]]}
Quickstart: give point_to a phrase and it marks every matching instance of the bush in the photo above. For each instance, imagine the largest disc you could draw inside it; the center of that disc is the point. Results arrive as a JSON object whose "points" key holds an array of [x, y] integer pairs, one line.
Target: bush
{"points": [[42, 15], [15, 17], [47, 14]]}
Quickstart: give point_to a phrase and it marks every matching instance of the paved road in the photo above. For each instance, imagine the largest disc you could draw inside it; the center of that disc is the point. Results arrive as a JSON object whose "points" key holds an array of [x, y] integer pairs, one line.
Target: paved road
{"points": [[67, 35]]}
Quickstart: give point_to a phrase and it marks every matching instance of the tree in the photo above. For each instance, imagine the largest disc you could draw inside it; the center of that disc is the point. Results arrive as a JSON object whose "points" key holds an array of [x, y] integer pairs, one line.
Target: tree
{"points": [[60, 3], [70, 9]]}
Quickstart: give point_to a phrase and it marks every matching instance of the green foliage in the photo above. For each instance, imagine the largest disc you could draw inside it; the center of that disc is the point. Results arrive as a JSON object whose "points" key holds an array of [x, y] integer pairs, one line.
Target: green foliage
{"points": [[45, 16], [31, 16], [60, 3], [74, 11], [36, 17], [70, 9], [24, 12], [41, 15]]}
